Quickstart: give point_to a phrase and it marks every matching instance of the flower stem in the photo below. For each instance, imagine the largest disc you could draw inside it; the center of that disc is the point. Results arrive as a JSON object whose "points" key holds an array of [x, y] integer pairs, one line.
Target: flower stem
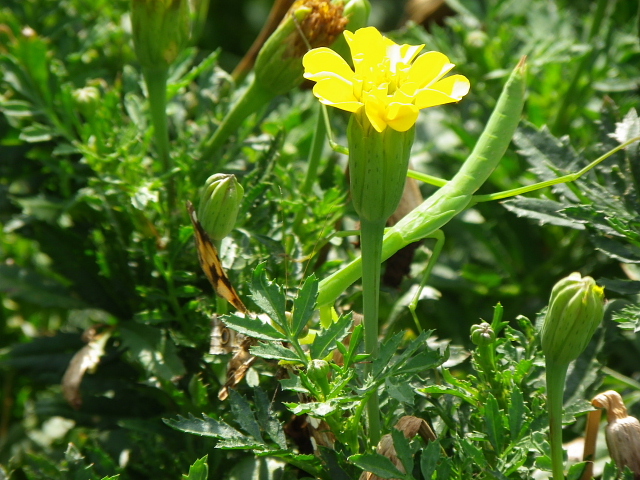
{"points": [[252, 99], [156, 80], [371, 242], [556, 375]]}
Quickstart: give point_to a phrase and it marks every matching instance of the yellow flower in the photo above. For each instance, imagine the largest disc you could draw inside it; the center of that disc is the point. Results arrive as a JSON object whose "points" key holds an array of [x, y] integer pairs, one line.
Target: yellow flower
{"points": [[387, 81]]}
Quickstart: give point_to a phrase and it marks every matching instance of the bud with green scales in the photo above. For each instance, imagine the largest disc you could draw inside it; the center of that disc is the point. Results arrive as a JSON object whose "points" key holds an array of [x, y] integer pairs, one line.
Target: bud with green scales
{"points": [[575, 310], [219, 205], [482, 334], [318, 372], [378, 164], [161, 29]]}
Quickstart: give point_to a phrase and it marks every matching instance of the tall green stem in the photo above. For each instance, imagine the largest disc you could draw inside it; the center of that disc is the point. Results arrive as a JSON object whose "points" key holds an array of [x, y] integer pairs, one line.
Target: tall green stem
{"points": [[371, 243], [252, 99], [556, 375], [156, 80]]}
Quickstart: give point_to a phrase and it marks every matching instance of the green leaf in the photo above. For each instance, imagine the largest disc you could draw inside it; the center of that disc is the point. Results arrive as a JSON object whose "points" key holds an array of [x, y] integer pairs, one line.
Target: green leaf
{"points": [[400, 389], [28, 285], [386, 353], [150, 347], [493, 422], [199, 470], [293, 384], [575, 471], [269, 297], [403, 449], [244, 415], [304, 305], [37, 132], [253, 327], [326, 340], [377, 464], [517, 413], [429, 459], [267, 419], [546, 212], [275, 351], [230, 438]]}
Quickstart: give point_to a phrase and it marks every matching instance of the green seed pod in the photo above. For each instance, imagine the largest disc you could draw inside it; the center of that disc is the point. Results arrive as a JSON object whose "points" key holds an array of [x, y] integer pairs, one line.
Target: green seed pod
{"points": [[318, 372], [278, 66], [482, 334], [576, 308], [161, 29], [378, 164], [219, 205]]}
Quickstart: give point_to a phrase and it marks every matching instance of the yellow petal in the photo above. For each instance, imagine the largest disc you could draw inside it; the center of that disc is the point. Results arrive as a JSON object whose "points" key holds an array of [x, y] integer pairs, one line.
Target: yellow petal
{"points": [[449, 90], [323, 62], [401, 116], [402, 54], [428, 68], [337, 93], [367, 48], [375, 111]]}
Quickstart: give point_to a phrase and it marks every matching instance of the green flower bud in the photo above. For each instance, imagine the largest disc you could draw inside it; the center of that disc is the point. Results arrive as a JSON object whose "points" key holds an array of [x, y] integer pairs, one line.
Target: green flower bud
{"points": [[482, 334], [576, 308], [378, 164], [278, 67], [87, 100], [161, 29], [219, 205], [318, 372]]}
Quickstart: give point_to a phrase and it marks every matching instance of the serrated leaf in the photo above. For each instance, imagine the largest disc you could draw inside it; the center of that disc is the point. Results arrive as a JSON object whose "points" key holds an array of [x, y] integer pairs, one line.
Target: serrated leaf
{"points": [[244, 415], [400, 389], [546, 212], [493, 422], [377, 464], [275, 351], [37, 132], [326, 340], [253, 327], [294, 384], [575, 471], [150, 347], [28, 285], [429, 459], [516, 413], [199, 470], [230, 438], [269, 296], [304, 305], [386, 352], [267, 419], [403, 449]]}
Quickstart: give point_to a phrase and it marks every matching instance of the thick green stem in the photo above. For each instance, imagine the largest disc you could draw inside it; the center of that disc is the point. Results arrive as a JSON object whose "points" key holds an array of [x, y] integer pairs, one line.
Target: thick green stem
{"points": [[156, 80], [556, 375], [252, 99], [371, 242]]}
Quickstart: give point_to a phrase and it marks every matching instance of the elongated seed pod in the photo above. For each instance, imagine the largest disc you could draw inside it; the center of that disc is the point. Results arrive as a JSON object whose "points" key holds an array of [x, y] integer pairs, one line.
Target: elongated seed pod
{"points": [[455, 196]]}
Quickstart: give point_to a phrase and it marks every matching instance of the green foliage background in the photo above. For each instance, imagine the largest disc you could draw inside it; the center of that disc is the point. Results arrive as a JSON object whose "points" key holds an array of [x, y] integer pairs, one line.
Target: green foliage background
{"points": [[86, 241]]}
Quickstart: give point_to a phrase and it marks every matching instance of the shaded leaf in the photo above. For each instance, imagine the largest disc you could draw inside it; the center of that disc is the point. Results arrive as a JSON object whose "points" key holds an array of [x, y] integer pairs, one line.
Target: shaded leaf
{"points": [[326, 340], [149, 345], [199, 470], [377, 464], [304, 305], [244, 415]]}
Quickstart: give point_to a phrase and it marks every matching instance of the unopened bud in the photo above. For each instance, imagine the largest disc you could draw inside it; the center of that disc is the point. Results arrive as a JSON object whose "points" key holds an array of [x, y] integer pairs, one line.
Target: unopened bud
{"points": [[576, 308], [482, 334], [278, 67], [318, 372], [219, 205], [87, 100], [161, 29], [622, 432]]}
